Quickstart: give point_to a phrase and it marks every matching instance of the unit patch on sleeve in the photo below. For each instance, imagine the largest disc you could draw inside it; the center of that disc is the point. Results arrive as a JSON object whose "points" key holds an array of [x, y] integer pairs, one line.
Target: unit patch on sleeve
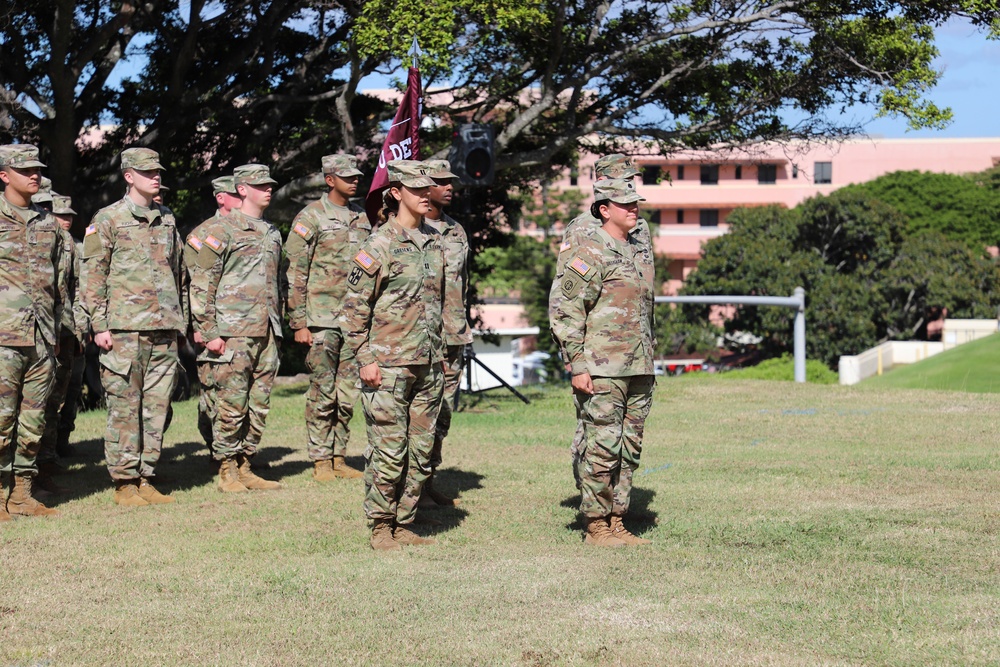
{"points": [[355, 276]]}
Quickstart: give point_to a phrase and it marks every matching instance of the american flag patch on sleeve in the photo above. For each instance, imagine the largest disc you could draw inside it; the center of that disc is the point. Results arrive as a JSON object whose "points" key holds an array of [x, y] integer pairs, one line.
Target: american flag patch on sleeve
{"points": [[566, 245], [580, 266], [364, 260], [215, 243], [301, 230], [90, 230], [194, 242]]}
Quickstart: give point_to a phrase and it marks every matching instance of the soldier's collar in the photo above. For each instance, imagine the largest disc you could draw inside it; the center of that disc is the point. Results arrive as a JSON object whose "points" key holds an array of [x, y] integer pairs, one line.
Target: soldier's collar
{"points": [[330, 208], [612, 243], [12, 212], [150, 214]]}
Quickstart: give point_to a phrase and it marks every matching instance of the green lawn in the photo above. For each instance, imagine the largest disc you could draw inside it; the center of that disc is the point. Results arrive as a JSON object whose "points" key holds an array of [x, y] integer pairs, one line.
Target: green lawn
{"points": [[972, 367], [792, 525]]}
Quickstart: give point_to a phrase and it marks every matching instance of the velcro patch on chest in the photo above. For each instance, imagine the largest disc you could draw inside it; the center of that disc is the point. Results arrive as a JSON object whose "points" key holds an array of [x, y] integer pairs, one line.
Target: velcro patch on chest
{"points": [[366, 262], [302, 230], [194, 242], [582, 268]]}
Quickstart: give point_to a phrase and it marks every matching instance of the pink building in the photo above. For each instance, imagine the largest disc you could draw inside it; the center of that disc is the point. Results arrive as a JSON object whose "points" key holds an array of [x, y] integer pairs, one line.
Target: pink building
{"points": [[691, 194]]}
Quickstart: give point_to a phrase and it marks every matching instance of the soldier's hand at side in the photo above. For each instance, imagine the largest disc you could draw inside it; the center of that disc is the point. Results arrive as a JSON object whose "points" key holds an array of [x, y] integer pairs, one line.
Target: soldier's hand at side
{"points": [[371, 375], [304, 336], [216, 346], [583, 384], [198, 339], [103, 340]]}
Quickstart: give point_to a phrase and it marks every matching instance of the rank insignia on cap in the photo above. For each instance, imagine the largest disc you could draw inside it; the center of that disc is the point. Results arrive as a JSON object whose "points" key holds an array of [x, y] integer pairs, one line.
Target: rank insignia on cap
{"points": [[215, 243], [301, 230], [90, 230], [580, 266], [566, 245], [194, 242], [365, 260]]}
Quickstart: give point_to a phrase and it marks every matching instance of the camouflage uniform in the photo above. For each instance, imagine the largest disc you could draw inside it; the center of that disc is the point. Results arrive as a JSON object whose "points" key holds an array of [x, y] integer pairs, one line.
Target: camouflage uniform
{"points": [[206, 378], [236, 295], [603, 321], [135, 286], [321, 247], [31, 264], [392, 317], [615, 165]]}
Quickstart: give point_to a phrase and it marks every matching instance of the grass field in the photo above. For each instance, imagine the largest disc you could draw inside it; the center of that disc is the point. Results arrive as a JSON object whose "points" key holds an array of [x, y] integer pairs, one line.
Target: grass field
{"points": [[973, 367], [792, 525]]}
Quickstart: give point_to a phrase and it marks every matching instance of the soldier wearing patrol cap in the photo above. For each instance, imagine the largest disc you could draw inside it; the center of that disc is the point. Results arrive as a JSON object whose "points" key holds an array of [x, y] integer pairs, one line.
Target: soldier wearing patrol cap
{"points": [[226, 199], [457, 332], [60, 411], [135, 292], [392, 323], [324, 239], [43, 198], [603, 321], [31, 279], [236, 302], [618, 166]]}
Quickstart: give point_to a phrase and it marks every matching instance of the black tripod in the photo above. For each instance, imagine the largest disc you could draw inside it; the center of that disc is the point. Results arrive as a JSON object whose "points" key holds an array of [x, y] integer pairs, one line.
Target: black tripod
{"points": [[469, 356]]}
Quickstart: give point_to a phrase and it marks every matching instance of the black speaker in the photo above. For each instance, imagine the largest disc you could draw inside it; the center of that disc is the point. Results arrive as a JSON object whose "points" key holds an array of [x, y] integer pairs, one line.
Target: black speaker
{"points": [[471, 155]]}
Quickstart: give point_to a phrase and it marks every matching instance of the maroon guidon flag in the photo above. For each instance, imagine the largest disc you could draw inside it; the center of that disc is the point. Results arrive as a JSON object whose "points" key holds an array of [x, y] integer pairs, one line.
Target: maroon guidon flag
{"points": [[401, 143]]}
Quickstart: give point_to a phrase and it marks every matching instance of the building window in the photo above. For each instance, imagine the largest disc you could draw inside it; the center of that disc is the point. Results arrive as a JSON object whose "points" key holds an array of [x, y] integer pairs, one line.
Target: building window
{"points": [[709, 217], [709, 174], [795, 171], [823, 172], [767, 173], [654, 217], [574, 178], [739, 172], [680, 216], [650, 175], [680, 172]]}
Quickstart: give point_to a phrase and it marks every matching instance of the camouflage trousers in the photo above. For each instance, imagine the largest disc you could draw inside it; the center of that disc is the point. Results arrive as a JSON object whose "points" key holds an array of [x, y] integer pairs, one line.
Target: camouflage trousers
{"points": [[138, 377], [66, 360], [244, 376], [26, 375], [401, 416], [613, 418], [333, 392], [454, 365], [206, 401]]}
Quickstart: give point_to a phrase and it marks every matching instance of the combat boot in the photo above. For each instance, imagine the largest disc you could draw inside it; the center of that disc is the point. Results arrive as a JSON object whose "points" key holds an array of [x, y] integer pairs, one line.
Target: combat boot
{"points": [[341, 469], [381, 539], [599, 533], [4, 514], [45, 480], [619, 530], [435, 496], [407, 537], [252, 481], [229, 477], [21, 501], [323, 471], [127, 493], [149, 493]]}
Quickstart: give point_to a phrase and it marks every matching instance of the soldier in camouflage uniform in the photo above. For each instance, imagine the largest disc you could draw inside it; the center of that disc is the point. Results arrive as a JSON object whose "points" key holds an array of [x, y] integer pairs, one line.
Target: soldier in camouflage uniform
{"points": [[457, 332], [236, 304], [603, 320], [392, 323], [70, 350], [226, 199], [135, 290], [324, 239], [615, 165], [31, 264]]}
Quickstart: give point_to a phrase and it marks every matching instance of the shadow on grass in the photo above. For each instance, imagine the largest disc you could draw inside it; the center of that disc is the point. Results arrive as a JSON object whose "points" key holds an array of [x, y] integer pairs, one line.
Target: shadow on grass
{"points": [[640, 517], [451, 482]]}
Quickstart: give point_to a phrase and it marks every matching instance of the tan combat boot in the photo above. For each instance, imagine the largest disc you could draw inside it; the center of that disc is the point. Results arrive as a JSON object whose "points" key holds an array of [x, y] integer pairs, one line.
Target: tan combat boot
{"points": [[599, 533], [341, 469], [323, 471], [435, 496], [619, 530], [21, 501], [4, 514], [252, 481], [149, 493], [127, 493], [229, 477], [407, 537], [381, 539]]}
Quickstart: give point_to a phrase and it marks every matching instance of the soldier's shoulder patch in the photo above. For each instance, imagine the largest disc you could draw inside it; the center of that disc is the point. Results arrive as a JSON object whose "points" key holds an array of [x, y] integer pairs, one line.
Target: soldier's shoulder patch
{"points": [[303, 230], [215, 244], [194, 242], [566, 245], [582, 267], [366, 262], [571, 284], [91, 229]]}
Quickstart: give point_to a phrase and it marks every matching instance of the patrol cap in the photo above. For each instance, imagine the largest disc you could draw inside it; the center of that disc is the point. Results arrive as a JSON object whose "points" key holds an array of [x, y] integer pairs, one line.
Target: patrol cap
{"points": [[223, 184], [615, 165], [253, 174], [44, 194], [62, 205], [19, 156], [411, 173], [342, 165], [618, 190], [439, 169], [143, 159]]}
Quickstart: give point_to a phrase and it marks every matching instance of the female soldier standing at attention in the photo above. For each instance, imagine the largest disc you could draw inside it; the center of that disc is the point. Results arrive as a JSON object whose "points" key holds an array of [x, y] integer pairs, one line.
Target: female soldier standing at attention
{"points": [[603, 321], [392, 321]]}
